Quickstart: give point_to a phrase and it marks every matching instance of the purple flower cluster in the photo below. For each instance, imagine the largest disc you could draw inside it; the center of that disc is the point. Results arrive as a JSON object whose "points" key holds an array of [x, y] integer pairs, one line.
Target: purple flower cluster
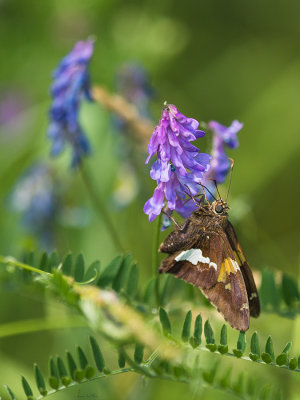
{"points": [[220, 164], [179, 167], [71, 83]]}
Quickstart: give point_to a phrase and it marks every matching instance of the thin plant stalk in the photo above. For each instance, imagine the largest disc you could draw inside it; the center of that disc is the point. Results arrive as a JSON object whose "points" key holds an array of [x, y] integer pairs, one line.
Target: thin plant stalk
{"points": [[100, 207], [155, 258]]}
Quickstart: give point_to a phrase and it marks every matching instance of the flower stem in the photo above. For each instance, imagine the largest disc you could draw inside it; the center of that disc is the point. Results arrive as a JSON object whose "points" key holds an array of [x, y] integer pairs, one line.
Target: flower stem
{"points": [[100, 207], [12, 261], [155, 258]]}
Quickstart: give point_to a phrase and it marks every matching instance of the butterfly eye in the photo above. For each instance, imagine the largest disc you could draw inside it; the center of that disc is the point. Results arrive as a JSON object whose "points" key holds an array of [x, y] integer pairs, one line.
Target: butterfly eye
{"points": [[218, 209]]}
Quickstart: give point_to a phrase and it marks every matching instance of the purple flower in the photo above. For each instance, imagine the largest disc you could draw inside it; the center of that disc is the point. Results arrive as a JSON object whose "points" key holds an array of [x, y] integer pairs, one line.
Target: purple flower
{"points": [[220, 164], [71, 83], [179, 167]]}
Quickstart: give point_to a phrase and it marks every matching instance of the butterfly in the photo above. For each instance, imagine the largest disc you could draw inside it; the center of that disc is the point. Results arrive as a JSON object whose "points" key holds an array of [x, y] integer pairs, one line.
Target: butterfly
{"points": [[205, 252]]}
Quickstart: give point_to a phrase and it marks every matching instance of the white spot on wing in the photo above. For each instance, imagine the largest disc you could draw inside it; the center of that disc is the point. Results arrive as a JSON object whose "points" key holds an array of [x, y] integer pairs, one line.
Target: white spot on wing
{"points": [[244, 307], [194, 256], [252, 296]]}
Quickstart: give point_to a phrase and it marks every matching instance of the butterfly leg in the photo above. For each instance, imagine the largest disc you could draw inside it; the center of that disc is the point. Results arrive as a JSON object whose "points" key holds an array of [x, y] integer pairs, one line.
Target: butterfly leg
{"points": [[165, 211]]}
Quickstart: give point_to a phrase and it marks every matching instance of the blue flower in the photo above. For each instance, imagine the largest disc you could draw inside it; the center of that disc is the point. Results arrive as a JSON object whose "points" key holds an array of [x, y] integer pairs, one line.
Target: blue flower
{"points": [[35, 197], [179, 167], [71, 83], [220, 164]]}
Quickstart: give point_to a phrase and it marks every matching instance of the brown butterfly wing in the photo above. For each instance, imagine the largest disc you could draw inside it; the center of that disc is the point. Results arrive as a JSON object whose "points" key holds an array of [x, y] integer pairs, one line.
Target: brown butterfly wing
{"points": [[212, 266], [246, 271]]}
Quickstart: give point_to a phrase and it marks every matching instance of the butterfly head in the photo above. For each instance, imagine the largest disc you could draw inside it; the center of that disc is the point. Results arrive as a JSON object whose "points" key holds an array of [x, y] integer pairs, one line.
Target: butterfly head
{"points": [[219, 207]]}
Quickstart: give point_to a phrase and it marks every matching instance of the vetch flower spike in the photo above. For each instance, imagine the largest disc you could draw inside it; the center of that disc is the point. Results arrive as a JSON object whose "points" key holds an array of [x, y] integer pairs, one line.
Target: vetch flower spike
{"points": [[220, 164], [71, 83], [179, 167]]}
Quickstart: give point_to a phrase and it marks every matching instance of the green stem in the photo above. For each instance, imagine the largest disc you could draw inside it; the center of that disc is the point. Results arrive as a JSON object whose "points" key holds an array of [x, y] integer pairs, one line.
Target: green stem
{"points": [[100, 207], [39, 324], [12, 261], [155, 258]]}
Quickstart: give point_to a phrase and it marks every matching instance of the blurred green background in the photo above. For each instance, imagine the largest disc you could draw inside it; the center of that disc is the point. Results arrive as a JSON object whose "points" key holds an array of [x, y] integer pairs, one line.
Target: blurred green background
{"points": [[213, 60]]}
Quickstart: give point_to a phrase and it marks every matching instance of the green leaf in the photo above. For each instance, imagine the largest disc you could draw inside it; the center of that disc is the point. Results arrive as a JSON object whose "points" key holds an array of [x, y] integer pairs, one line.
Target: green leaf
{"points": [[164, 320], [251, 386], [196, 339], [266, 358], [265, 393], [79, 374], [89, 372], [71, 364], [149, 294], [110, 272], [238, 385], [121, 275], [186, 329], [223, 347], [223, 336], [282, 359], [290, 292], [67, 265], [11, 394], [121, 359], [166, 289], [208, 333], [53, 382], [254, 347], [225, 380], [287, 348], [106, 371], [43, 264], [209, 376], [54, 376], [82, 358], [29, 258], [62, 371], [299, 362], [52, 368], [132, 281], [270, 348], [27, 388], [93, 271], [241, 345], [293, 363], [138, 353], [98, 357], [53, 261], [40, 381], [79, 268]]}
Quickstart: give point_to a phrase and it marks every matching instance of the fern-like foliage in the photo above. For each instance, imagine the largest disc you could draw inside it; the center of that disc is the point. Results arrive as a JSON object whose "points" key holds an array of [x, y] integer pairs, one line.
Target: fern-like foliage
{"points": [[126, 316], [69, 371]]}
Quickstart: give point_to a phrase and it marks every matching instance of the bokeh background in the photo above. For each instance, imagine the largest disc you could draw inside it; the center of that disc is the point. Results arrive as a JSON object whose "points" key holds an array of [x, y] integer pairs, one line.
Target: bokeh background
{"points": [[213, 60]]}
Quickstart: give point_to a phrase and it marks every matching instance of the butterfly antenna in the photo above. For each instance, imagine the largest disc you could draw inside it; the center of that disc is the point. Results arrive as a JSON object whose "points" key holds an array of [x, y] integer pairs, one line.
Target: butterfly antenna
{"points": [[216, 186], [204, 187], [191, 196], [230, 176]]}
